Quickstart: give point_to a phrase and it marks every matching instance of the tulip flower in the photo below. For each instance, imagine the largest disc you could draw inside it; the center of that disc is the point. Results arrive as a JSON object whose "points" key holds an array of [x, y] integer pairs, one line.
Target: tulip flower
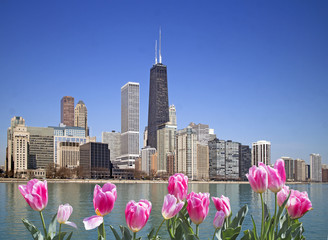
{"points": [[198, 205], [219, 219], [223, 204], [258, 178], [171, 207], [298, 204], [63, 214], [276, 176], [178, 186], [103, 202], [137, 214], [282, 195], [35, 193]]}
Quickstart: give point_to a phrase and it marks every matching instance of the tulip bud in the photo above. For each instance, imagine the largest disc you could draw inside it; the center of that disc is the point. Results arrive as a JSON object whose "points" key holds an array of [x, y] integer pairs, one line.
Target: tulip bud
{"points": [[223, 204], [178, 186], [137, 214], [282, 195], [298, 204], [219, 219], [198, 205], [63, 214], [35, 193], [258, 178], [171, 207]]}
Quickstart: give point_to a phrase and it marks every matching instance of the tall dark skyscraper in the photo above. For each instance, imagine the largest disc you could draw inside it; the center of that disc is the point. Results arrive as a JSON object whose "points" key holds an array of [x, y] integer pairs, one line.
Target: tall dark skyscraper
{"points": [[67, 111], [158, 111]]}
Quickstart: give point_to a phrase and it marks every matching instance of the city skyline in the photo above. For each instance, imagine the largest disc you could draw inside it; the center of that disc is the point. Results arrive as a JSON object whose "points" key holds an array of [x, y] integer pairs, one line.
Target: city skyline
{"points": [[251, 76]]}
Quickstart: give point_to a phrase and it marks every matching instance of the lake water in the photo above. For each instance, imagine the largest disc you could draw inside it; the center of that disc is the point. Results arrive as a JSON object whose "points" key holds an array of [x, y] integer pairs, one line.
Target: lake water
{"points": [[14, 207]]}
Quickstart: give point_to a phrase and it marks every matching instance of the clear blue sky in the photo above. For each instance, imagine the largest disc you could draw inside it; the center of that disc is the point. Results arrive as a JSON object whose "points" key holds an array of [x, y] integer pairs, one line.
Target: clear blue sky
{"points": [[252, 70]]}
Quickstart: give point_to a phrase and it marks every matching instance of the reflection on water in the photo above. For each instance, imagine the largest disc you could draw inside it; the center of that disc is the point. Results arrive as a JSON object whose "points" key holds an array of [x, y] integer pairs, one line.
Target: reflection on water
{"points": [[80, 196]]}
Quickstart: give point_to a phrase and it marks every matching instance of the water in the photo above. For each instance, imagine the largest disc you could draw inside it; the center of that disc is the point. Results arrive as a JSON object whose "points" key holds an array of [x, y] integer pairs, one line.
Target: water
{"points": [[80, 196]]}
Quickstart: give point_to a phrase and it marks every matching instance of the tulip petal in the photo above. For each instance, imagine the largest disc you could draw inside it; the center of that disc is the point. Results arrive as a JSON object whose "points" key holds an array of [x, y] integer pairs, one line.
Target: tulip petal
{"points": [[92, 222], [72, 224]]}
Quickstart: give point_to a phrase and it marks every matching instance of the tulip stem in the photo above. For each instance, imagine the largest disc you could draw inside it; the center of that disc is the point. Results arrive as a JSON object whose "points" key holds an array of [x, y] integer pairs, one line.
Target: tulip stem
{"points": [[274, 229], [262, 225], [44, 225], [104, 231], [134, 235], [159, 228], [197, 230], [59, 231], [216, 229]]}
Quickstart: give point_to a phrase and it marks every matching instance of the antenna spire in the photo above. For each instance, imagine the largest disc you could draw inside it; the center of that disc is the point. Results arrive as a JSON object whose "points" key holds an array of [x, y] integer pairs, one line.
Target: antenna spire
{"points": [[155, 51], [160, 55]]}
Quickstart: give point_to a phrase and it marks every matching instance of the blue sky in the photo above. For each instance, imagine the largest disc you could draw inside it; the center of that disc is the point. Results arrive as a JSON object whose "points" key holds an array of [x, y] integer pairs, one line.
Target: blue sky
{"points": [[252, 70]]}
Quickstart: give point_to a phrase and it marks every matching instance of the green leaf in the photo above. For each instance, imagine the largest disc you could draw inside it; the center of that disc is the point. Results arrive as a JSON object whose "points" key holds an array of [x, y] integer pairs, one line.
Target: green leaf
{"points": [[126, 233], [52, 227], [117, 237], [69, 236], [254, 229], [101, 230], [238, 220], [101, 237], [231, 233], [36, 234], [150, 234], [62, 235]]}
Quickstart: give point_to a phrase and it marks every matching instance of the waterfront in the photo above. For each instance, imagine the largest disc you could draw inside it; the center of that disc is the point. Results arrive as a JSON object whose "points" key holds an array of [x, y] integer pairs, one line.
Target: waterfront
{"points": [[80, 197]]}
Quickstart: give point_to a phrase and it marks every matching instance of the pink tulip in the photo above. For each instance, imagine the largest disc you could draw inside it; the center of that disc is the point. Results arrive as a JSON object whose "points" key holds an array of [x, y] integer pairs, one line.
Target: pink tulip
{"points": [[298, 204], [197, 207], [219, 219], [171, 207], [63, 214], [276, 176], [223, 204], [282, 195], [258, 178], [178, 186], [35, 193], [137, 214], [103, 203]]}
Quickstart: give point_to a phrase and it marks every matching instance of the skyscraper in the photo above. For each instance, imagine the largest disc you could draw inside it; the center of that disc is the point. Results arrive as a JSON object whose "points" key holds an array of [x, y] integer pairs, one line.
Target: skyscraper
{"points": [[113, 139], [289, 168], [129, 123], [316, 170], [261, 152], [81, 116], [67, 111], [158, 111]]}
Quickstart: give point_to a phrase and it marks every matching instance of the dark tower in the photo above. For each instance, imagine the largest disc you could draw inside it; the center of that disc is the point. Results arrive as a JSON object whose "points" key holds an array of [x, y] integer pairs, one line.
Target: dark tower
{"points": [[158, 111]]}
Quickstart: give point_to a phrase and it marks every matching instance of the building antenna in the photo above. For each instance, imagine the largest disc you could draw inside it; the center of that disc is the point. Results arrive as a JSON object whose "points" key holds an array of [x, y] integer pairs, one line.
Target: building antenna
{"points": [[160, 55], [156, 52]]}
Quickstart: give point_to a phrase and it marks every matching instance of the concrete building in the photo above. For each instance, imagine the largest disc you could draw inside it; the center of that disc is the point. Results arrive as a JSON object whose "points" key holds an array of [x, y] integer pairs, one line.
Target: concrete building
{"points": [[170, 164], [95, 160], [146, 154], [166, 140], [68, 154], [316, 170], [186, 152], [245, 161], [153, 165], [261, 152], [300, 170], [145, 137], [81, 117], [324, 173], [129, 125], [202, 162], [67, 111], [224, 158], [202, 132], [307, 172], [158, 111], [289, 168], [113, 139], [21, 138]]}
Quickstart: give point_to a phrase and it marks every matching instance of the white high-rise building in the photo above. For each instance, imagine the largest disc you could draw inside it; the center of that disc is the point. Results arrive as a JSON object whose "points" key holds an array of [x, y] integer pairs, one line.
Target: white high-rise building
{"points": [[113, 139], [129, 124], [146, 154], [261, 152], [316, 170], [20, 149], [81, 116]]}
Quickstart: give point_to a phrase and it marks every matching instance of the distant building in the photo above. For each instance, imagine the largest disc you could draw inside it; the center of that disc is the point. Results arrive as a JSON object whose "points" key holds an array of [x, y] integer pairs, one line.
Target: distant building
{"points": [[68, 154], [307, 172], [95, 160], [202, 132], [67, 111], [202, 162], [261, 152], [129, 125], [170, 163], [113, 139], [224, 158], [186, 152], [166, 140], [324, 173], [300, 170], [316, 171], [41, 147], [81, 117], [245, 162], [153, 165], [21, 139], [289, 168], [145, 137], [146, 154]]}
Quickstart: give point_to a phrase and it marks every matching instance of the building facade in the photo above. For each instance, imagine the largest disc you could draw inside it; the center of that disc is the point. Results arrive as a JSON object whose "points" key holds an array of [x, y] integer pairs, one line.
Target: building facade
{"points": [[81, 117], [21, 138], [146, 155], [113, 139], [245, 162], [202, 162], [68, 154], [300, 170], [316, 170], [289, 168], [67, 111], [261, 152]]}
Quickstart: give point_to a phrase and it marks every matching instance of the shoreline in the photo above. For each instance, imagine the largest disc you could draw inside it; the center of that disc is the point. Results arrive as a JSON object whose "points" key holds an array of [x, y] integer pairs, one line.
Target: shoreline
{"points": [[15, 180]]}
